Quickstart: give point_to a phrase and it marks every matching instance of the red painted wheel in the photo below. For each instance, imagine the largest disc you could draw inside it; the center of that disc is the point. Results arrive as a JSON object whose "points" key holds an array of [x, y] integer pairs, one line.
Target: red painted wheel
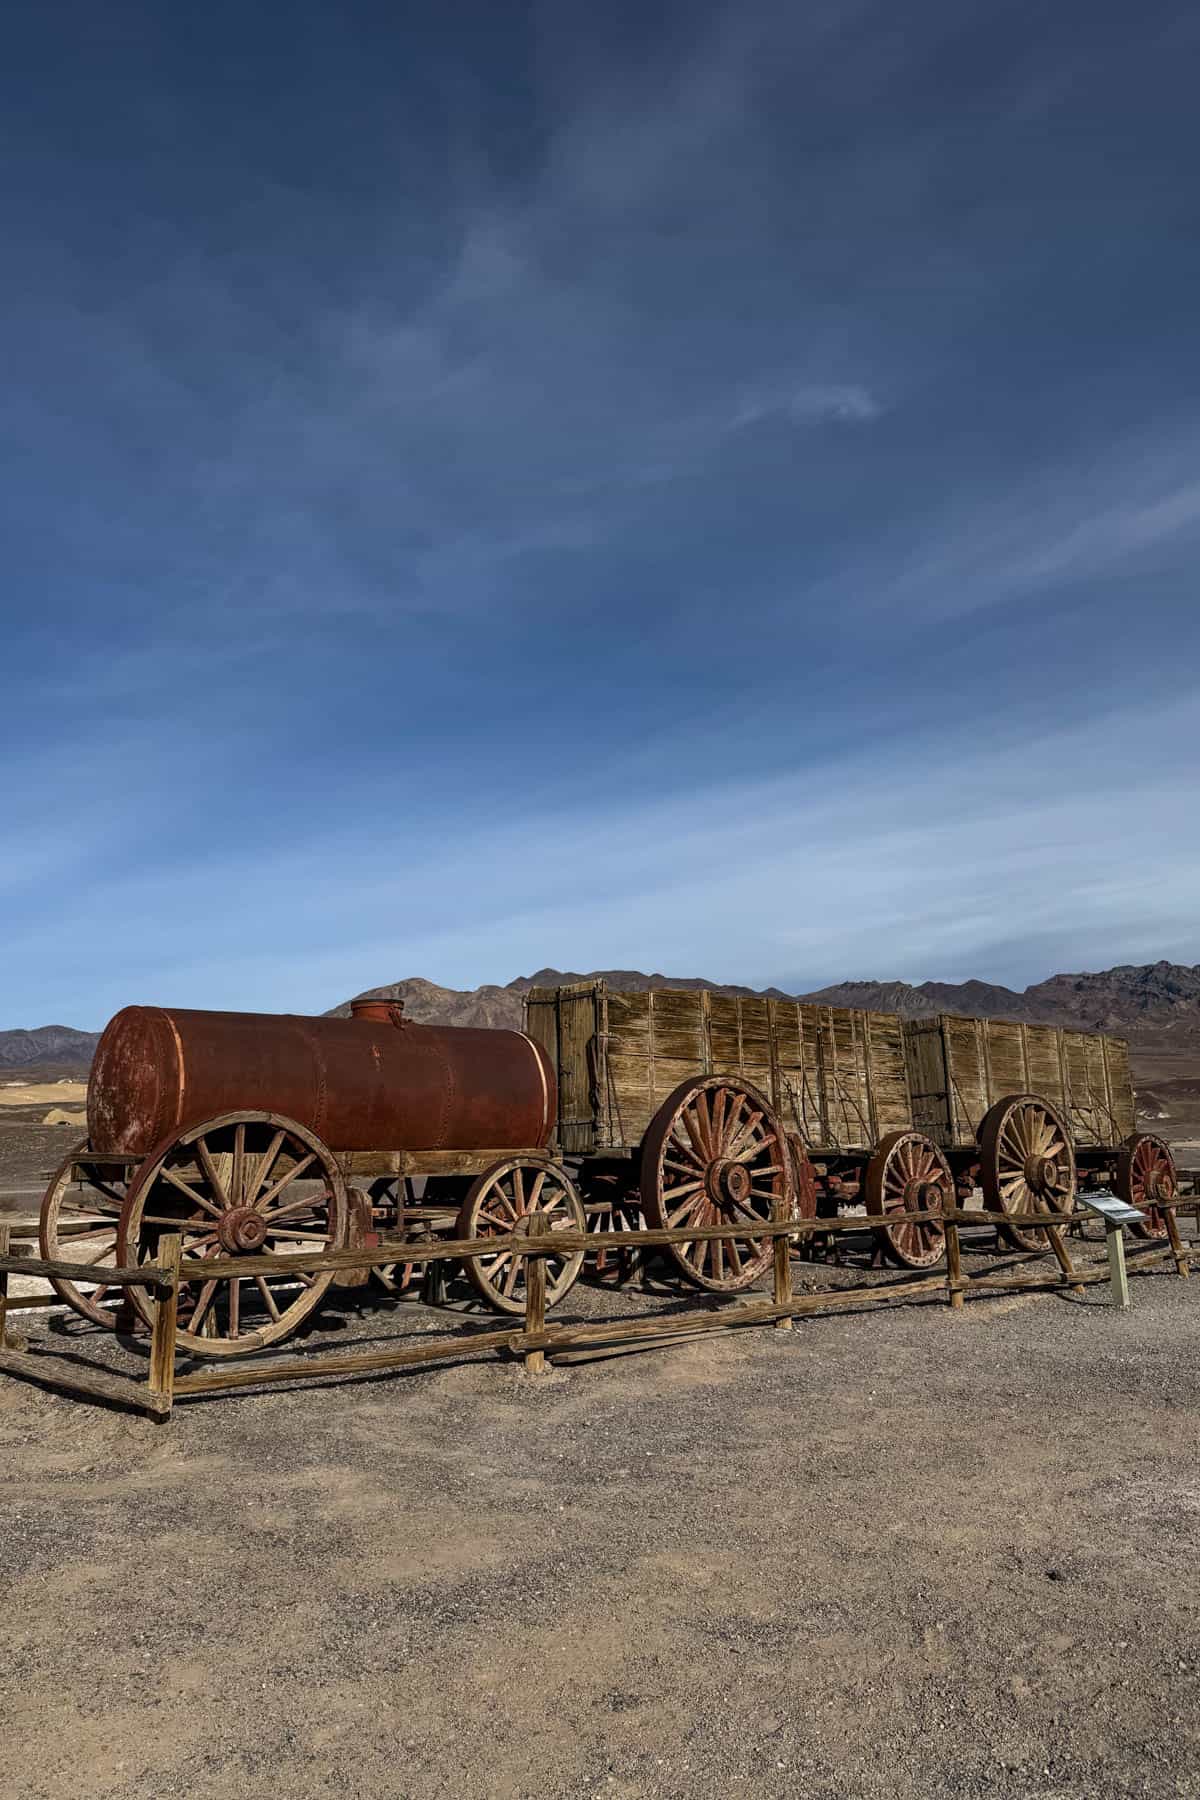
{"points": [[1027, 1164], [1146, 1172], [716, 1154], [804, 1180], [613, 1190], [906, 1174]]}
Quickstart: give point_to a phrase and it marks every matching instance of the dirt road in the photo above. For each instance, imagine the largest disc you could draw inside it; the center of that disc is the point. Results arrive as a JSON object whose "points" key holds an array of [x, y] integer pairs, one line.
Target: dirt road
{"points": [[916, 1554]]}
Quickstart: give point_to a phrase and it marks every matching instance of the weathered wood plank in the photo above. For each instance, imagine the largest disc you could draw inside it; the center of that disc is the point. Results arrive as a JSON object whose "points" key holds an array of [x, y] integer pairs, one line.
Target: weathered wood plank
{"points": [[166, 1309], [146, 1275], [71, 1378]]}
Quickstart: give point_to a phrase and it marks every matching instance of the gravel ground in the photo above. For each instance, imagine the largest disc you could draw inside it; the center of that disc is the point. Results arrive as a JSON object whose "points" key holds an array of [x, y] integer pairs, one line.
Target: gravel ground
{"points": [[906, 1554]]}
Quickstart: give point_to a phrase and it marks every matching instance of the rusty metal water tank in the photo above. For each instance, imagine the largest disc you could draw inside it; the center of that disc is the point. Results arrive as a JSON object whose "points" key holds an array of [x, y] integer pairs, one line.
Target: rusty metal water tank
{"points": [[375, 1081]]}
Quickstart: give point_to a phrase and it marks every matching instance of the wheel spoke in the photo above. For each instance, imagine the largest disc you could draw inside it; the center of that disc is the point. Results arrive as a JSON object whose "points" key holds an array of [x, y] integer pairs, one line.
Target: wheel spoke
{"points": [[262, 1168], [268, 1297], [685, 1214], [720, 1101], [298, 1168], [199, 1200], [685, 1187], [210, 1172], [237, 1178]]}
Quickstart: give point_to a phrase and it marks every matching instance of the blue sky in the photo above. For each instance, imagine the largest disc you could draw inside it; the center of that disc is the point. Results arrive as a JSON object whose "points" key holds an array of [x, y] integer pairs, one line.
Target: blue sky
{"points": [[713, 489]]}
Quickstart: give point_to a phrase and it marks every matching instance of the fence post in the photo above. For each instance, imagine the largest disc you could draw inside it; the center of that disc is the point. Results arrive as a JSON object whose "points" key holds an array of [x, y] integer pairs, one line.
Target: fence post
{"points": [[954, 1281], [166, 1313], [1182, 1266], [537, 1227], [783, 1263], [1064, 1259]]}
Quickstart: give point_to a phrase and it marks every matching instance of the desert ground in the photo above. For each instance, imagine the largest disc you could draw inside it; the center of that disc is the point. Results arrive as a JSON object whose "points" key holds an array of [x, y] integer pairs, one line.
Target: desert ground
{"points": [[911, 1554]]}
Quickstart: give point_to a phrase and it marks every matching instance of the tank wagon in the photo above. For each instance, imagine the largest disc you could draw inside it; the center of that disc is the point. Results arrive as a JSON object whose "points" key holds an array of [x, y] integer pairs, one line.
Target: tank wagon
{"points": [[255, 1133]]}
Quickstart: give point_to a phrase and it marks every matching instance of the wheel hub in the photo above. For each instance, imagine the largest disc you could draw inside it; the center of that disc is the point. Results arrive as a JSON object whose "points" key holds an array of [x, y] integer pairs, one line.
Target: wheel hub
{"points": [[728, 1183], [922, 1196], [1041, 1173], [240, 1230]]}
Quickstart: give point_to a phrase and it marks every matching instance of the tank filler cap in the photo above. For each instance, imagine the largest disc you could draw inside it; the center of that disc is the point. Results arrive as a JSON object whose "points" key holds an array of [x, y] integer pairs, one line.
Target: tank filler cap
{"points": [[380, 1012]]}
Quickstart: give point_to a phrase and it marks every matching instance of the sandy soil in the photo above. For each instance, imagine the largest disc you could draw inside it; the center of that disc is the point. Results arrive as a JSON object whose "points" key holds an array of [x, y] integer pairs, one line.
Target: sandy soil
{"points": [[911, 1555], [914, 1554], [43, 1093]]}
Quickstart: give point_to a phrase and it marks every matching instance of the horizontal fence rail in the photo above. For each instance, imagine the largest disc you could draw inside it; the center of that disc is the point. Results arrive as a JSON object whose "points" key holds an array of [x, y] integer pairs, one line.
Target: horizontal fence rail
{"points": [[538, 1240]]}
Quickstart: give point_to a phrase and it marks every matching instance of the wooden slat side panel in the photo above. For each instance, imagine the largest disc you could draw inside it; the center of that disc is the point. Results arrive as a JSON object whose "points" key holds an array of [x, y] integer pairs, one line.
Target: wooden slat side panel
{"points": [[677, 1025], [927, 1079], [629, 1099], [628, 1021], [887, 1074], [1087, 1088], [1043, 1057], [724, 1034], [785, 1057], [972, 1078], [756, 1044], [798, 1054], [1006, 1055], [844, 1079], [1120, 1087]]}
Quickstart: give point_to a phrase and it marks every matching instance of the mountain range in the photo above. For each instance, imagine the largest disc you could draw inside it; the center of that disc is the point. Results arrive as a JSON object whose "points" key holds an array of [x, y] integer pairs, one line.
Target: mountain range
{"points": [[1155, 1005]]}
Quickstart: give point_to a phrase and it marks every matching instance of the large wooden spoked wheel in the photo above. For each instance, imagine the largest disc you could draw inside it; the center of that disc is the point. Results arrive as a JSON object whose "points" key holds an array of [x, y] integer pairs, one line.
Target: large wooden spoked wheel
{"points": [[79, 1224], [1145, 1173], [244, 1184], [907, 1173], [615, 1191], [716, 1154], [1027, 1164], [498, 1202]]}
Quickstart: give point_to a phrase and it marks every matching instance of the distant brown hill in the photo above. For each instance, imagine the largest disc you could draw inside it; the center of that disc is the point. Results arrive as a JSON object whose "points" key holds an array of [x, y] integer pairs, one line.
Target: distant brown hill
{"points": [[1156, 1005]]}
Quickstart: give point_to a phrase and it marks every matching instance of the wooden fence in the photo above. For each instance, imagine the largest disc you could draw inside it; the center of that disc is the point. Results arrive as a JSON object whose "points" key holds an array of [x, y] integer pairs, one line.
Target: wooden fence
{"points": [[534, 1339]]}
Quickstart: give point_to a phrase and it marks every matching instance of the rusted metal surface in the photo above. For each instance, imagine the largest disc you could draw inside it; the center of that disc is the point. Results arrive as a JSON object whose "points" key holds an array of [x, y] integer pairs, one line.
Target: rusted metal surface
{"points": [[374, 1082]]}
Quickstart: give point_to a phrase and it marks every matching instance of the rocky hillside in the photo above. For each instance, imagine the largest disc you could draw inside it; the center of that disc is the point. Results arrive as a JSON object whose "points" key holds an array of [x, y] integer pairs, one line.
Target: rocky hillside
{"points": [[1157, 1005], [56, 1046]]}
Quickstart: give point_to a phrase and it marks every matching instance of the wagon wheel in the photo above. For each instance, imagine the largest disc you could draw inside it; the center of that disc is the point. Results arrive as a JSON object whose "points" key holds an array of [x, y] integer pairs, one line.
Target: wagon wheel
{"points": [[242, 1184], [612, 1268], [1027, 1163], [1146, 1172], [393, 1192], [496, 1201], [715, 1153], [908, 1173], [65, 1208]]}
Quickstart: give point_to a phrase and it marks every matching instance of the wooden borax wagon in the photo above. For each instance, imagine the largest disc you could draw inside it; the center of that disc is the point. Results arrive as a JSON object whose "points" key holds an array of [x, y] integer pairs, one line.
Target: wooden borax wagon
{"points": [[902, 1114]]}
